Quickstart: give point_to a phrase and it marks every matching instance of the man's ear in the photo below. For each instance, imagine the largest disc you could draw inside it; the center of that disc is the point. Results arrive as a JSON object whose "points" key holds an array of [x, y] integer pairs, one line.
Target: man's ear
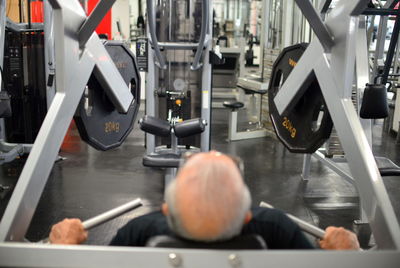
{"points": [[164, 209], [248, 217]]}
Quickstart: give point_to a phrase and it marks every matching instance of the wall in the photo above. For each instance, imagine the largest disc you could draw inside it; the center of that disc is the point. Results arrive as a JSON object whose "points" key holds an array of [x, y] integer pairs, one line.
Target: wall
{"points": [[120, 12], [12, 9]]}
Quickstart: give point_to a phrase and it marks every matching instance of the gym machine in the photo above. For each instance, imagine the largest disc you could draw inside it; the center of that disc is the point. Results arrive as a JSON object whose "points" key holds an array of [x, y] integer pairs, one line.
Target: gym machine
{"points": [[255, 86], [309, 93], [332, 80], [97, 83], [178, 84]]}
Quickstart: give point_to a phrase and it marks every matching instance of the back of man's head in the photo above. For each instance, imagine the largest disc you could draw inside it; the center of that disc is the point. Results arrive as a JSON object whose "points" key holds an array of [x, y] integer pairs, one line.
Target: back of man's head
{"points": [[208, 200]]}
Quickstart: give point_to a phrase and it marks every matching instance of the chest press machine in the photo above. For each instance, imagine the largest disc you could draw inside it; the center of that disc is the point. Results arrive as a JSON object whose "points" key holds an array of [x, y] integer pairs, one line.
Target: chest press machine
{"points": [[178, 84], [330, 56]]}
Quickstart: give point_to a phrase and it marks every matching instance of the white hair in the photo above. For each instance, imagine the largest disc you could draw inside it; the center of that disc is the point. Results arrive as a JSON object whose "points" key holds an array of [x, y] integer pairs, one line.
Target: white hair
{"points": [[223, 194]]}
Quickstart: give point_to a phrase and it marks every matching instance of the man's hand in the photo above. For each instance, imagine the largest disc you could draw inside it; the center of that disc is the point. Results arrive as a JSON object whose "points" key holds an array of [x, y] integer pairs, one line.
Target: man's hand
{"points": [[339, 239], [68, 231]]}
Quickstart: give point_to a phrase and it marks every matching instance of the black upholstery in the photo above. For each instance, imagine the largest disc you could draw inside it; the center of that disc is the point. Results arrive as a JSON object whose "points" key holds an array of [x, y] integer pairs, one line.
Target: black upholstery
{"points": [[189, 127], [233, 105], [252, 241], [389, 171], [374, 103], [162, 160], [249, 91], [155, 126]]}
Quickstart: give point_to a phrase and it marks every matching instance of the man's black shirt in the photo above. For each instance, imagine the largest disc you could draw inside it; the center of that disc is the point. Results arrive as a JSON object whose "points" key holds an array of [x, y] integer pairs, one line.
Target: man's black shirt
{"points": [[278, 231]]}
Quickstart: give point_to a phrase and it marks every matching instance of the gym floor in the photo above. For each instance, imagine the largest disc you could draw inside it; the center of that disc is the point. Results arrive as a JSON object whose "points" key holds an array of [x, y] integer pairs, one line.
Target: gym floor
{"points": [[88, 182]]}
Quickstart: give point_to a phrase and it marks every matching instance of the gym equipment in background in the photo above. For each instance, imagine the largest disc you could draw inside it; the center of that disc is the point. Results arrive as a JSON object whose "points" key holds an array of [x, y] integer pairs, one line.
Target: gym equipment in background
{"points": [[178, 87]]}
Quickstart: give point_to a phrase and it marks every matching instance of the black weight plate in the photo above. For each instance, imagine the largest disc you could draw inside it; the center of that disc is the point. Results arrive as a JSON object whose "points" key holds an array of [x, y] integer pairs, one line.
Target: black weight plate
{"points": [[306, 124], [98, 122]]}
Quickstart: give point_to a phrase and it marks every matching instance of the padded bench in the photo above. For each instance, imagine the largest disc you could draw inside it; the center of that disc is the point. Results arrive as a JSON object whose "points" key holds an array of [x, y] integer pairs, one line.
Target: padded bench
{"points": [[167, 160]]}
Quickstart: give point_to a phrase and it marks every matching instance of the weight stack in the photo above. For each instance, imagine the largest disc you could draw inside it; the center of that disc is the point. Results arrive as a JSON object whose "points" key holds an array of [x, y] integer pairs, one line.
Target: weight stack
{"points": [[24, 79]]}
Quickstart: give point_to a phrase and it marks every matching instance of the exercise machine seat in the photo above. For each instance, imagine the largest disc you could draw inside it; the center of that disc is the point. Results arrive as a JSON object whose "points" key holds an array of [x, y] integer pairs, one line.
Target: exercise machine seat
{"points": [[233, 105], [249, 91], [189, 127], [162, 160], [387, 167], [252, 241], [155, 126]]}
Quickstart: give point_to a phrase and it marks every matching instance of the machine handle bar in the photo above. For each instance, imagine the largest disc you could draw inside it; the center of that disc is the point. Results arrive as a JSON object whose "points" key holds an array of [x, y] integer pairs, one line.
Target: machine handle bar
{"points": [[202, 42], [152, 31], [108, 215], [305, 226], [200, 46]]}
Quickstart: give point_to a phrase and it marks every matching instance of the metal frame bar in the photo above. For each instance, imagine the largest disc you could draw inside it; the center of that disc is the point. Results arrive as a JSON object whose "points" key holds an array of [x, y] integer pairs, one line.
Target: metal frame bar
{"points": [[333, 166], [324, 7], [90, 24], [58, 256], [205, 22], [152, 32], [304, 226], [335, 73], [392, 47], [49, 53], [234, 135], [316, 23], [380, 12], [380, 39]]}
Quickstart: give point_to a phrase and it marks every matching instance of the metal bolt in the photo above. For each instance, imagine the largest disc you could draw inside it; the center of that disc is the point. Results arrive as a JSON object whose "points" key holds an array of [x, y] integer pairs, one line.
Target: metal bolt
{"points": [[234, 260], [175, 259]]}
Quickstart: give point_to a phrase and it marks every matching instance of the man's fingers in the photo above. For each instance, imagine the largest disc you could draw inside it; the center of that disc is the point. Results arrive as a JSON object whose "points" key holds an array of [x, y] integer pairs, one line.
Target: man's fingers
{"points": [[339, 238], [68, 231]]}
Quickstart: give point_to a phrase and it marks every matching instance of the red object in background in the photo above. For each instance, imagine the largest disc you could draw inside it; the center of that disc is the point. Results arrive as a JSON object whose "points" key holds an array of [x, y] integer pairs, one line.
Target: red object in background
{"points": [[37, 11], [105, 25]]}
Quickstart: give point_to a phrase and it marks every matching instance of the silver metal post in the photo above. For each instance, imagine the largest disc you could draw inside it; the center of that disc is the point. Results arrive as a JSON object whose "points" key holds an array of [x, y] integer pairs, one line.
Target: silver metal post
{"points": [[152, 31], [202, 42], [305, 174], [206, 90], [49, 53]]}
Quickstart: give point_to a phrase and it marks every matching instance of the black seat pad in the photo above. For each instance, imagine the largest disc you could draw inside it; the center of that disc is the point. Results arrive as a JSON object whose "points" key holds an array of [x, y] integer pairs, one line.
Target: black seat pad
{"points": [[162, 160], [249, 91], [233, 105]]}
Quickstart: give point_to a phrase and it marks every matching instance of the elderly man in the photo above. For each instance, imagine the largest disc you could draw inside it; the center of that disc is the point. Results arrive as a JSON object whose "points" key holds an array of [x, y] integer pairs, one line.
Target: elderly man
{"points": [[209, 201]]}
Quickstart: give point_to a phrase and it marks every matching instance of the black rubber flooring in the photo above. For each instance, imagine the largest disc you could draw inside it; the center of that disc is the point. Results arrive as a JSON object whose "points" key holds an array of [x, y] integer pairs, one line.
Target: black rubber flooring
{"points": [[88, 182]]}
